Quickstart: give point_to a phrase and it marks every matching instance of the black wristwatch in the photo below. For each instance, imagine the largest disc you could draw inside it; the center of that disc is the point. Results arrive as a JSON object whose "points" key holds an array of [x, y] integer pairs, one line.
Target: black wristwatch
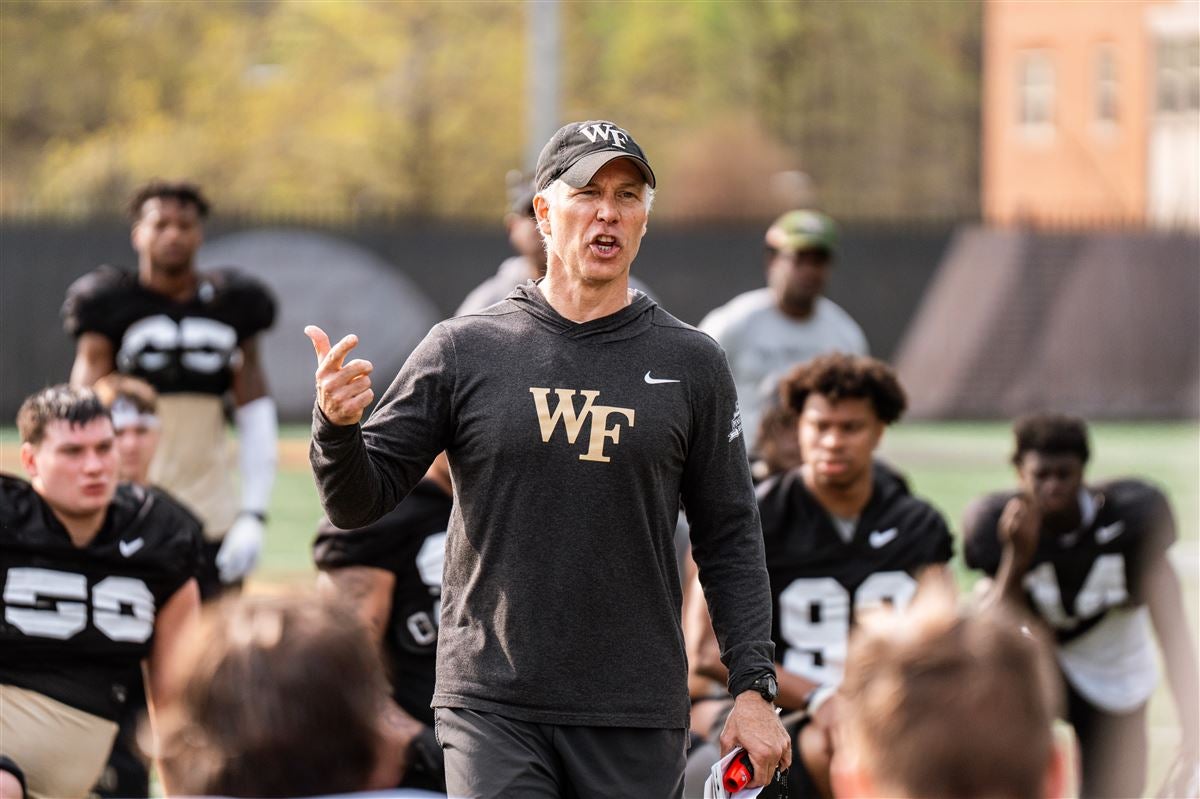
{"points": [[767, 685]]}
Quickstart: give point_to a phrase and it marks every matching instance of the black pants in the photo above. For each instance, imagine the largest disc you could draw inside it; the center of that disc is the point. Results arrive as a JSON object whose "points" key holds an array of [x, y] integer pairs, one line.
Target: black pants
{"points": [[489, 755], [1112, 748]]}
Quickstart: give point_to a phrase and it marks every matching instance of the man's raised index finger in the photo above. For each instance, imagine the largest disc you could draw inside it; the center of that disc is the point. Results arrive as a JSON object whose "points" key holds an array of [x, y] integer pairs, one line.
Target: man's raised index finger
{"points": [[319, 340], [335, 356]]}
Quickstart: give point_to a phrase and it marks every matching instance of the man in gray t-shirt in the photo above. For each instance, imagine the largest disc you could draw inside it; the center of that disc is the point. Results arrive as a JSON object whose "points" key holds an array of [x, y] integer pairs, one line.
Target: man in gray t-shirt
{"points": [[577, 415], [767, 331]]}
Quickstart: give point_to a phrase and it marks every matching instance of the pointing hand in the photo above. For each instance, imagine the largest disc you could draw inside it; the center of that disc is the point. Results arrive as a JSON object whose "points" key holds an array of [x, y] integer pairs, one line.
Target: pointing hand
{"points": [[343, 389]]}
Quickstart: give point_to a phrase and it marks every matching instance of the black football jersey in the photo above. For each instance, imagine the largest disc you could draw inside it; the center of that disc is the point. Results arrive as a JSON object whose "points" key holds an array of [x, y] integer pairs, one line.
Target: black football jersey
{"points": [[76, 622], [410, 542], [175, 346], [1074, 579], [819, 581]]}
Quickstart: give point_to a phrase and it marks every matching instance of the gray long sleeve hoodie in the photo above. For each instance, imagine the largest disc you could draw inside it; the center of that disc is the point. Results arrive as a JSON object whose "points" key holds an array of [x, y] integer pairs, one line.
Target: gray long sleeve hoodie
{"points": [[570, 447]]}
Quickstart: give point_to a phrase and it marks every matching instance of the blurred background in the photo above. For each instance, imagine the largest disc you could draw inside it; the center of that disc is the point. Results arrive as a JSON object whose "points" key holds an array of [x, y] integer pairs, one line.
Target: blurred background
{"points": [[1017, 183]]}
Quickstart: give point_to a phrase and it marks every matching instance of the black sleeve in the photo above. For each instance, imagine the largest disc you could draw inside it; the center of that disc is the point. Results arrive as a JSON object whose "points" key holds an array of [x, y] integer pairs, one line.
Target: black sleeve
{"points": [[1155, 521], [1151, 524], [252, 304], [981, 542], [362, 472], [375, 545], [91, 301], [727, 538]]}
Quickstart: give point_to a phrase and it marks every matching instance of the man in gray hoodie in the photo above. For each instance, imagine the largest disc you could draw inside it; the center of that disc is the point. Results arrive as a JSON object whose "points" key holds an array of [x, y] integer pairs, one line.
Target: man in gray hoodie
{"points": [[560, 666]]}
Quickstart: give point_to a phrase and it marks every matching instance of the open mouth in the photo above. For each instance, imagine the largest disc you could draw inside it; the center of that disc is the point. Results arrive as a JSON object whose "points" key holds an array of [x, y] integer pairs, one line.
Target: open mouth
{"points": [[605, 245]]}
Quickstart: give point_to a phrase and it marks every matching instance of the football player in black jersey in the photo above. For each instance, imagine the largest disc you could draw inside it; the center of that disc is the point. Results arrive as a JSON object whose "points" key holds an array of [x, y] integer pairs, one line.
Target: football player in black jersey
{"points": [[1091, 562], [841, 534], [390, 573], [194, 337], [97, 577]]}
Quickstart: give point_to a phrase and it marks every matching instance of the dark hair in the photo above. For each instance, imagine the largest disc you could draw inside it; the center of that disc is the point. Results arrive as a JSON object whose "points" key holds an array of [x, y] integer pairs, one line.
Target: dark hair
{"points": [[182, 192], [777, 445], [917, 686], [277, 696], [1050, 433], [76, 406], [839, 376]]}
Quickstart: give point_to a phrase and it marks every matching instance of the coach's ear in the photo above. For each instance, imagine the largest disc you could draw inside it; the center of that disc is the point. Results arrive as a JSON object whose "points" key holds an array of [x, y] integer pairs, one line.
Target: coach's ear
{"points": [[541, 211]]}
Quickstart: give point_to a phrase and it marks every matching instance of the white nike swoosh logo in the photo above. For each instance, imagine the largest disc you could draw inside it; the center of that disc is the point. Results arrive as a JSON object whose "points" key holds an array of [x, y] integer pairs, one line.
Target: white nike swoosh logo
{"points": [[655, 380], [883, 538], [1109, 532], [129, 547]]}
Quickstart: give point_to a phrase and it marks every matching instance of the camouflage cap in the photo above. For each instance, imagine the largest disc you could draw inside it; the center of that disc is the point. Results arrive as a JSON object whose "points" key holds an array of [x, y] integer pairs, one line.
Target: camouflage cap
{"points": [[803, 230]]}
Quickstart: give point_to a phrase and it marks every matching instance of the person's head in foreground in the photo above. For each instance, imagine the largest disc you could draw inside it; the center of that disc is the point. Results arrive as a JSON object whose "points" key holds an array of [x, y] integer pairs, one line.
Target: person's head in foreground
{"points": [[133, 404], [278, 696], [948, 704]]}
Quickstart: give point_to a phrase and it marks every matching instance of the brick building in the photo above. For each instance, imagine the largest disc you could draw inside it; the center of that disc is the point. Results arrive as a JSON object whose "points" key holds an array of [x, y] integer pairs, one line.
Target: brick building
{"points": [[1091, 113]]}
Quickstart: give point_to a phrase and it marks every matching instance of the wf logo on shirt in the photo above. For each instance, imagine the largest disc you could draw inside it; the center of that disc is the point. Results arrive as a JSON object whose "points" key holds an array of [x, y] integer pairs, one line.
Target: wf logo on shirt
{"points": [[596, 415]]}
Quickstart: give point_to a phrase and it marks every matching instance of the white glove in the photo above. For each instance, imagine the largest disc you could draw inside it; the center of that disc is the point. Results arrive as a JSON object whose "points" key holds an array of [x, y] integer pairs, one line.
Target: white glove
{"points": [[239, 551]]}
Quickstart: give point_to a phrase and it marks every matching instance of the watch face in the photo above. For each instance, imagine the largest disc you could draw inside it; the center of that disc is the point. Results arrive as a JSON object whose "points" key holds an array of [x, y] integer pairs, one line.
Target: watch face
{"points": [[768, 686]]}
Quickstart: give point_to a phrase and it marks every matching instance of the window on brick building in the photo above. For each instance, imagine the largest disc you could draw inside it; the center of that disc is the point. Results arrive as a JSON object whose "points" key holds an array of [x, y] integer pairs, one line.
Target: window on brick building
{"points": [[1177, 76], [1035, 93], [1105, 87]]}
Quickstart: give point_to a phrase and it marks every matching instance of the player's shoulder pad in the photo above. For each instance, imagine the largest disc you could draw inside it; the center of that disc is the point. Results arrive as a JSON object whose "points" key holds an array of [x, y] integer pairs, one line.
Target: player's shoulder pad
{"points": [[19, 504], [1131, 492], [91, 299], [1142, 503], [980, 530], [165, 524], [983, 513], [251, 303], [775, 496]]}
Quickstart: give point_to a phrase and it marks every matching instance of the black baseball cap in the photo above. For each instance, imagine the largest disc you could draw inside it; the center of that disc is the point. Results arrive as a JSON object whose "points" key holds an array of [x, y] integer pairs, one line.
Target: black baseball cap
{"points": [[579, 149]]}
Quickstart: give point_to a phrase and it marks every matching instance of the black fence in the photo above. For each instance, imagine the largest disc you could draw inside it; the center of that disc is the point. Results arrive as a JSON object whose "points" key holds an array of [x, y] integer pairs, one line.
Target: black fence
{"points": [[880, 276]]}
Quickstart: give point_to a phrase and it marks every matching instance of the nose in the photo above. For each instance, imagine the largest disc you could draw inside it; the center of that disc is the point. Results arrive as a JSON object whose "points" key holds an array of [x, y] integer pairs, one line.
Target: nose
{"points": [[831, 438], [607, 210], [95, 462]]}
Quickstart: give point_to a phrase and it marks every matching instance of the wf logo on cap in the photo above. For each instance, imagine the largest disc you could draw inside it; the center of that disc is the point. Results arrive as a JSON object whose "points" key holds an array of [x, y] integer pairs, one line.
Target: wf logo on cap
{"points": [[579, 149], [605, 131]]}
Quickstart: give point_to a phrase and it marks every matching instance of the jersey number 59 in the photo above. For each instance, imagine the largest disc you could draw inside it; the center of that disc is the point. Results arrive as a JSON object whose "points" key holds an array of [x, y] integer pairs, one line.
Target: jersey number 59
{"points": [[54, 604]]}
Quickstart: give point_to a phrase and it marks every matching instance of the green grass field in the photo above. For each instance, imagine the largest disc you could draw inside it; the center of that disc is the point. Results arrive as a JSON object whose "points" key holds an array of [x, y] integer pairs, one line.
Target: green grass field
{"points": [[947, 464]]}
